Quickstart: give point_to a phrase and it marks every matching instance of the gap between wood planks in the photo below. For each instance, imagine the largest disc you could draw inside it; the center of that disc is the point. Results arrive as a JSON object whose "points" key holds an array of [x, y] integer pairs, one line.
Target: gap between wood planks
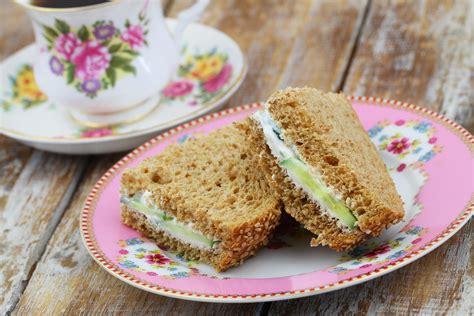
{"points": [[355, 45], [58, 214]]}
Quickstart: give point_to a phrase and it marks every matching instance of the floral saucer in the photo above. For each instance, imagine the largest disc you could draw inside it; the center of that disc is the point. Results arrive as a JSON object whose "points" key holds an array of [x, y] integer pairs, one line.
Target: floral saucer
{"points": [[428, 156], [212, 68]]}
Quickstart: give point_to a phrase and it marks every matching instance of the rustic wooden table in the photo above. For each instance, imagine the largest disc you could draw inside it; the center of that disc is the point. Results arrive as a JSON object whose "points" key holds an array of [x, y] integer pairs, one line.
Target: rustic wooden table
{"points": [[415, 51]]}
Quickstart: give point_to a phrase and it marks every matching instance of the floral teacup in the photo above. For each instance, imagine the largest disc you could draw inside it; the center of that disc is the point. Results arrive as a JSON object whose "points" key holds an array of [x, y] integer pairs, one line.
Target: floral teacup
{"points": [[107, 62]]}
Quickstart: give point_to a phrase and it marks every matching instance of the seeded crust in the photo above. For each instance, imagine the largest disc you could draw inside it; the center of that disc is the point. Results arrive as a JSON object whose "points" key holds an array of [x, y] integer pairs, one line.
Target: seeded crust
{"points": [[215, 183], [329, 137]]}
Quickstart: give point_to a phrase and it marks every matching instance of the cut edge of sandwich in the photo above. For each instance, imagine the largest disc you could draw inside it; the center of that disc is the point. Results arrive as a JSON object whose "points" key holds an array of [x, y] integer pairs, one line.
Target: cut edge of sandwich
{"points": [[222, 246]]}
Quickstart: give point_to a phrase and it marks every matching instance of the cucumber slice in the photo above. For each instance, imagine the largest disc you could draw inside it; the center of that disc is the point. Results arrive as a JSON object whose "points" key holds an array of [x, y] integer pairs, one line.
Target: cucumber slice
{"points": [[301, 173], [161, 219], [185, 233], [150, 211]]}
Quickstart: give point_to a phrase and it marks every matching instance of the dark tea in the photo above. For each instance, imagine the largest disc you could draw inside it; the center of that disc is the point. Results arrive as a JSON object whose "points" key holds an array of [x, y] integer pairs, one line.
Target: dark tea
{"points": [[65, 3]]}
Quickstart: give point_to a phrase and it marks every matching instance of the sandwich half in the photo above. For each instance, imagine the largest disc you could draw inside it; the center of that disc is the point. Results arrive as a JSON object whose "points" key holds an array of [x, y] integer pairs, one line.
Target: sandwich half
{"points": [[205, 199], [319, 159]]}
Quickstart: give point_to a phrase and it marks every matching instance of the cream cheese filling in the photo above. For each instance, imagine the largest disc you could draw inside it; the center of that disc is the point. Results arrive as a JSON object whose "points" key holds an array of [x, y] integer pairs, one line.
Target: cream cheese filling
{"points": [[302, 175], [185, 232]]}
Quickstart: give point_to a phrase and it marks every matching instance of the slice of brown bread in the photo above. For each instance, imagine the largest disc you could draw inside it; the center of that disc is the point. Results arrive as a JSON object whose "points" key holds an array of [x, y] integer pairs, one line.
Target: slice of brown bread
{"points": [[329, 137], [215, 183]]}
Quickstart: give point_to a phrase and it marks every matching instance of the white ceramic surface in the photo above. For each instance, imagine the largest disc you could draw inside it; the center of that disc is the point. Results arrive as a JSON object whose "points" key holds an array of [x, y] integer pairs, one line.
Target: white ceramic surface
{"points": [[104, 58], [28, 116]]}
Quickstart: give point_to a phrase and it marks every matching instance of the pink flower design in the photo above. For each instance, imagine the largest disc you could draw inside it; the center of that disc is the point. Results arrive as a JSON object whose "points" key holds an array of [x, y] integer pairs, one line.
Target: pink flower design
{"points": [[378, 251], [157, 259], [91, 59], [123, 251], [367, 265], [214, 84], [401, 167], [66, 45], [400, 122], [178, 88], [398, 145], [133, 36], [432, 140], [416, 241], [98, 132], [152, 273]]}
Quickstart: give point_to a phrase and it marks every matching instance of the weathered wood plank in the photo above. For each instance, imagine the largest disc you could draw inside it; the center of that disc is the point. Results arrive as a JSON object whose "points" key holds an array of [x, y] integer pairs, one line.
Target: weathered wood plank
{"points": [[15, 28], [32, 210], [67, 279], [419, 52], [287, 43], [35, 187], [415, 51]]}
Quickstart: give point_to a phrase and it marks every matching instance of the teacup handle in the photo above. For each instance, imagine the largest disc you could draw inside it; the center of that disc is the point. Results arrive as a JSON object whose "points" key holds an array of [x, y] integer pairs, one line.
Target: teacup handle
{"points": [[188, 16]]}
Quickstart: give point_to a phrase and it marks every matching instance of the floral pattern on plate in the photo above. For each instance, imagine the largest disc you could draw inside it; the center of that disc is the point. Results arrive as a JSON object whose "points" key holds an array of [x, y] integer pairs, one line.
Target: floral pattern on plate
{"points": [[24, 90], [200, 77], [295, 271], [140, 255], [372, 254], [406, 143], [93, 58], [410, 142]]}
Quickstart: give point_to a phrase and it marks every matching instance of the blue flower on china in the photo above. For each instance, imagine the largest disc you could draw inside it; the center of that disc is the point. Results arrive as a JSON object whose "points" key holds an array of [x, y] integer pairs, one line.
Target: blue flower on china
{"points": [[422, 127], [415, 230], [128, 264], [372, 254], [134, 241], [180, 275], [397, 254]]}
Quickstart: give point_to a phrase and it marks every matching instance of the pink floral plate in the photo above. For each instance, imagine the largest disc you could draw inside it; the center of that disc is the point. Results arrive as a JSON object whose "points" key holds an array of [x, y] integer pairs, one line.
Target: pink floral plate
{"points": [[429, 157], [211, 70]]}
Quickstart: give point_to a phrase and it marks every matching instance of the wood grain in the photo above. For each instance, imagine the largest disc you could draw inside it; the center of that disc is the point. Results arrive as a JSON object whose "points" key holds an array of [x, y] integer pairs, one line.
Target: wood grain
{"points": [[15, 28], [35, 186], [287, 42], [67, 280], [420, 52], [35, 201]]}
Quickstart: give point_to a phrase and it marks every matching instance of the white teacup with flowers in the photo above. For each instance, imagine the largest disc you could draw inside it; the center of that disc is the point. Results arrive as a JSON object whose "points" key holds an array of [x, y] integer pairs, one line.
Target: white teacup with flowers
{"points": [[106, 63]]}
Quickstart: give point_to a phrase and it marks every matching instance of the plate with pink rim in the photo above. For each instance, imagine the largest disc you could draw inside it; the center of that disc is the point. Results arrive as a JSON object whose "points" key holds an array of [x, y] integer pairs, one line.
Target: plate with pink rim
{"points": [[211, 70], [428, 156]]}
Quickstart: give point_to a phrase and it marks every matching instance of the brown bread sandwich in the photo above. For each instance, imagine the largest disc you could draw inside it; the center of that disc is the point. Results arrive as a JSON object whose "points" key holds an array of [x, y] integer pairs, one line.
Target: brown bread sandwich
{"points": [[206, 199], [319, 159]]}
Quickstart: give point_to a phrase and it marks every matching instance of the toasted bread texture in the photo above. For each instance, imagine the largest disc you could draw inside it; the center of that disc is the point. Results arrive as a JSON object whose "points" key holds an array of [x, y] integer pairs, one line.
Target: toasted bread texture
{"points": [[330, 138], [214, 182]]}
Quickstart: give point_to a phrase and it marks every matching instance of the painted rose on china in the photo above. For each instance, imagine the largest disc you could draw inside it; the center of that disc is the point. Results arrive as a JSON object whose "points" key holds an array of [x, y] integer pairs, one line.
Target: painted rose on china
{"points": [[90, 60], [178, 88], [216, 83], [66, 45], [133, 36]]}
